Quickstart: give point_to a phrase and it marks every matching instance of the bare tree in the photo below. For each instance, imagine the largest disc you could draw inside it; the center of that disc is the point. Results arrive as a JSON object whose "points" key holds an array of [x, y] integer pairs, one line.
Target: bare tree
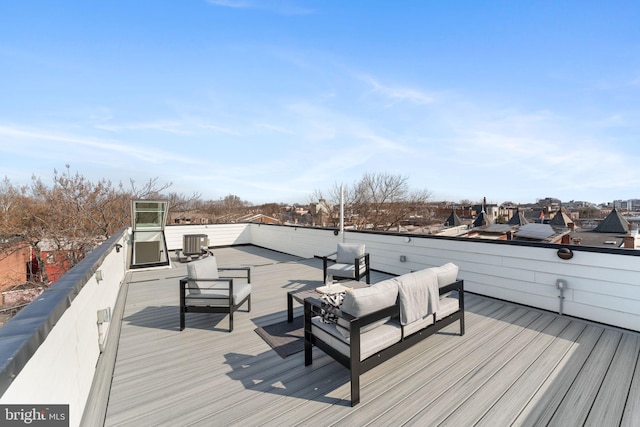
{"points": [[149, 190], [9, 199], [379, 201], [75, 214], [270, 209]]}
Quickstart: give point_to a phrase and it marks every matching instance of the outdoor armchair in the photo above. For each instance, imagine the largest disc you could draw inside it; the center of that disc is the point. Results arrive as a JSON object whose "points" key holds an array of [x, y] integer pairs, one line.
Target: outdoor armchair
{"points": [[351, 262], [204, 291]]}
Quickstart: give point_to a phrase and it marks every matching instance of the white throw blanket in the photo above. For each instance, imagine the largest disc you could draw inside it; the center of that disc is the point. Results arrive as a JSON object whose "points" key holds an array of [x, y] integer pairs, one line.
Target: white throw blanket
{"points": [[419, 296]]}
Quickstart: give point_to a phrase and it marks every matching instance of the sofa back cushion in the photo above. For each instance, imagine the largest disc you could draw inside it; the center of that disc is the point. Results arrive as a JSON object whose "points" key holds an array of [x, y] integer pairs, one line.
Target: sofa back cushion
{"points": [[363, 301], [447, 273]]}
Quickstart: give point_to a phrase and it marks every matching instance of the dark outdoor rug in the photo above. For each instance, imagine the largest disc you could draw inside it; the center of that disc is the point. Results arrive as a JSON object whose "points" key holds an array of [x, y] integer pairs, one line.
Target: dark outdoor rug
{"points": [[284, 337]]}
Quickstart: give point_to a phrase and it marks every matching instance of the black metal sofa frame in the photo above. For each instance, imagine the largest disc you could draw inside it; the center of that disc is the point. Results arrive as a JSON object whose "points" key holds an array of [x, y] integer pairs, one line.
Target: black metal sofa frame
{"points": [[353, 362]]}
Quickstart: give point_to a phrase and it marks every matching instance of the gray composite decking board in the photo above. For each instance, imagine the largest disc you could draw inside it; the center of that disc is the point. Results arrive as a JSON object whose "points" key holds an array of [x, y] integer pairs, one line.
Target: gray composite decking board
{"points": [[205, 375], [484, 395], [464, 389], [504, 411], [632, 406], [252, 337], [612, 396], [551, 393], [231, 407], [584, 389], [283, 409]]}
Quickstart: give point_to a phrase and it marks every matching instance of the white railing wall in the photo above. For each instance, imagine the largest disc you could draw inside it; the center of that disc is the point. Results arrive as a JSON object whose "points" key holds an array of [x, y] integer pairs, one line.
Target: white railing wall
{"points": [[62, 368], [301, 241], [61, 354], [219, 234], [602, 286]]}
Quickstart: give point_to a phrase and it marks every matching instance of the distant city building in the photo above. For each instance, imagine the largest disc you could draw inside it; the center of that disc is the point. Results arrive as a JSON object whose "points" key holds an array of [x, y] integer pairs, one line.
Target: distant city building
{"points": [[15, 261]]}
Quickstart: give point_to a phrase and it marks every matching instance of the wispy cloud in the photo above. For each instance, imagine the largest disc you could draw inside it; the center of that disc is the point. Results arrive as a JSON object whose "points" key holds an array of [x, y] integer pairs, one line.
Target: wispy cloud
{"points": [[397, 93], [537, 152], [173, 127], [275, 128], [186, 125], [220, 129], [236, 4], [280, 7], [40, 140]]}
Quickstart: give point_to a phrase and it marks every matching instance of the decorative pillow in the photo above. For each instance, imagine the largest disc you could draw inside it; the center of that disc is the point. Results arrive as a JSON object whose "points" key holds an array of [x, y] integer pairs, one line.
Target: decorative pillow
{"points": [[330, 307], [347, 252]]}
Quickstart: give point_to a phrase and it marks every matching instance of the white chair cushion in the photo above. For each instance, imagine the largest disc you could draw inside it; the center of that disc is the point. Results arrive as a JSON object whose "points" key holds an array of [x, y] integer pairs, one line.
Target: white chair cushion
{"points": [[347, 252], [206, 268], [343, 270], [219, 296]]}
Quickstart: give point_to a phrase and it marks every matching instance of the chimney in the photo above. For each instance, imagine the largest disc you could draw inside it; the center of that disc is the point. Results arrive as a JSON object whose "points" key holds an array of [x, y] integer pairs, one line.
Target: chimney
{"points": [[566, 239], [629, 241]]}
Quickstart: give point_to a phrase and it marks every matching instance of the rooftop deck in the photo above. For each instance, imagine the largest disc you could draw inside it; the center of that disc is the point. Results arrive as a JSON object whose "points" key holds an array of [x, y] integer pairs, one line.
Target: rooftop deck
{"points": [[514, 365]]}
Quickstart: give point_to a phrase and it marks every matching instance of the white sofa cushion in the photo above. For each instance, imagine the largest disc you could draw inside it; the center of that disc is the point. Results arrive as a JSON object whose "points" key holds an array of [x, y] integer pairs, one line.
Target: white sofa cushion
{"points": [[362, 301], [371, 342], [447, 273], [417, 325], [448, 305]]}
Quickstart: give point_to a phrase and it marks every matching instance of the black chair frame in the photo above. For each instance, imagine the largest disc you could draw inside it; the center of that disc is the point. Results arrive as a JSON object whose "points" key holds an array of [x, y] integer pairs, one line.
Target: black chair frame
{"points": [[230, 308], [357, 262]]}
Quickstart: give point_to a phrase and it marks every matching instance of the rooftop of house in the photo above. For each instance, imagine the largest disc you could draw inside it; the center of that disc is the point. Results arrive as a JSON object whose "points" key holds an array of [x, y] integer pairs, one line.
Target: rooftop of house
{"points": [[514, 364], [591, 238]]}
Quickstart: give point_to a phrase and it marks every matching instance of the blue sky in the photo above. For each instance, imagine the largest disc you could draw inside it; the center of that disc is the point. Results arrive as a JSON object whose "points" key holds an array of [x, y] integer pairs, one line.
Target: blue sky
{"points": [[270, 100]]}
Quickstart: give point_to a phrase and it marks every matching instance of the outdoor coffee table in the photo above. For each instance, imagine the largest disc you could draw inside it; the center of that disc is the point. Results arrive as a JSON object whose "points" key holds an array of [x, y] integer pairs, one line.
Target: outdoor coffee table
{"points": [[300, 294]]}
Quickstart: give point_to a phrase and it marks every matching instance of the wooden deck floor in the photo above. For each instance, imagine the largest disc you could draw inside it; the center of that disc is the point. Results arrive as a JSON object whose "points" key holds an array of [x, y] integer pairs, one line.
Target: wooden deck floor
{"points": [[514, 365]]}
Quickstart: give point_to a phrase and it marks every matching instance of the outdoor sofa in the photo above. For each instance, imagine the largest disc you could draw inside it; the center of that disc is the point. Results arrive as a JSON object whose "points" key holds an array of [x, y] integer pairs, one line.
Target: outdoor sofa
{"points": [[378, 322]]}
